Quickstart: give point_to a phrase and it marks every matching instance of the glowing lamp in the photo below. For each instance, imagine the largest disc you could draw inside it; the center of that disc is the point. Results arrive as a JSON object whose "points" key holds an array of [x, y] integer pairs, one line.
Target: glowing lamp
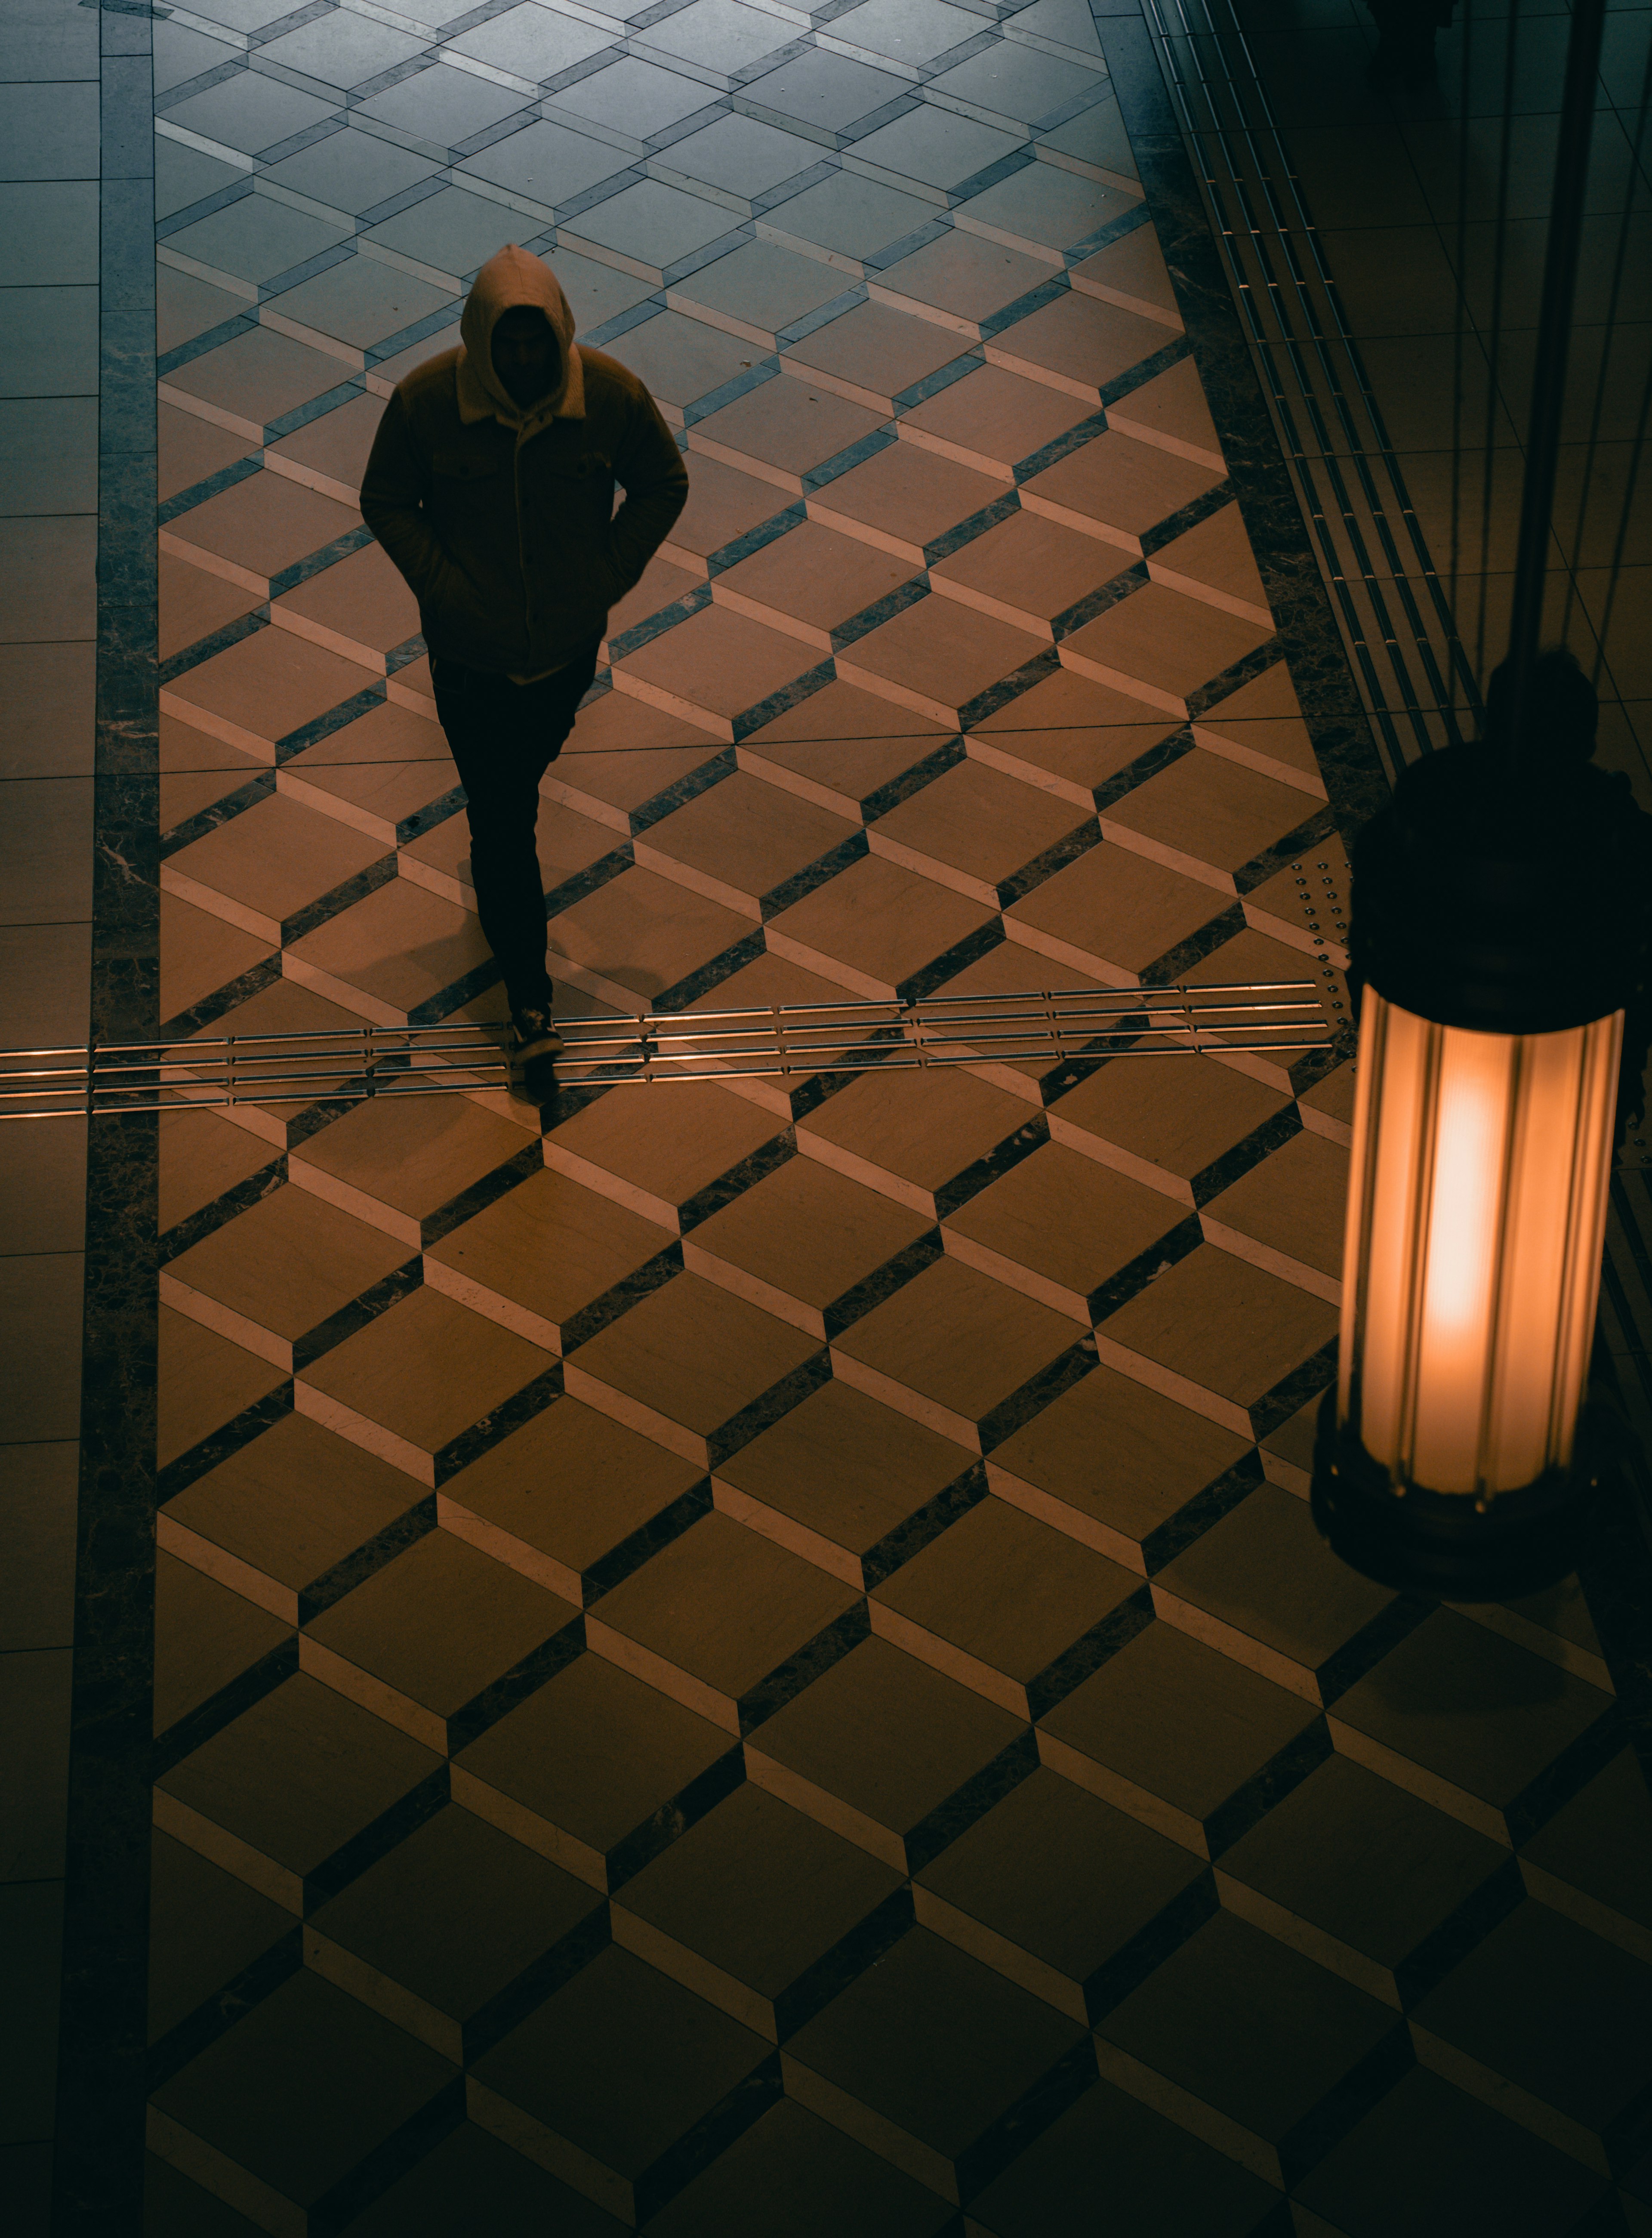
{"points": [[1489, 933]]}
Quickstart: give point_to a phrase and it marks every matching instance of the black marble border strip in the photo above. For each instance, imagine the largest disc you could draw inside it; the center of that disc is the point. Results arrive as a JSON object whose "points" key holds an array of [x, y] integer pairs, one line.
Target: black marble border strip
{"points": [[102, 2060], [1308, 636]]}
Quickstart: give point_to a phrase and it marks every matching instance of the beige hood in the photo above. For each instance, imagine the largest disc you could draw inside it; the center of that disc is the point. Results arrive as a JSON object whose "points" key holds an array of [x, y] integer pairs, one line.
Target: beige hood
{"points": [[507, 280]]}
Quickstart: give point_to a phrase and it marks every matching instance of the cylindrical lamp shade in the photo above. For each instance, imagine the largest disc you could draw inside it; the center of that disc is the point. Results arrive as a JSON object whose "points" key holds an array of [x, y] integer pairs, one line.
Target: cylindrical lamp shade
{"points": [[1476, 1213]]}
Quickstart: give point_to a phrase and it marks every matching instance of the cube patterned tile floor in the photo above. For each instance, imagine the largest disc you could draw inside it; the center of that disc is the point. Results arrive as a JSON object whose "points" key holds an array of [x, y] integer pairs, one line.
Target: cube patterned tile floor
{"points": [[747, 1660]]}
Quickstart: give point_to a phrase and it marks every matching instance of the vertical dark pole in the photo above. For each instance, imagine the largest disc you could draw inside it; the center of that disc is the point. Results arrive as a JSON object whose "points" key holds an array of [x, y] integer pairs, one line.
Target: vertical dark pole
{"points": [[1549, 371]]}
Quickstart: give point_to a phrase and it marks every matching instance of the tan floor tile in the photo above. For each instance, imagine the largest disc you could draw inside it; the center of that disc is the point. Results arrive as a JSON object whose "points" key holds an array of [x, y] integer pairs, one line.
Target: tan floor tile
{"points": [[192, 450], [1025, 572], [395, 1160], [1181, 1739], [1469, 1722], [724, 505], [1131, 273], [1287, 2048], [330, 454], [1586, 1861], [659, 1154], [662, 583], [206, 1638], [1262, 1587], [717, 1618], [50, 697], [409, 1385], [757, 291], [742, 841], [1006, 1606], [271, 1277], [388, 956], [1362, 1877], [439, 1641], [936, 657], [873, 353], [958, 280], [1204, 814], [359, 607], [1261, 725], [990, 421], [545, 1259], [572, 1499], [259, 526], [810, 582], [783, 431], [280, 1515], [265, 869], [200, 953], [1166, 1120], [761, 1910], [597, 1770], [950, 1348], [1218, 1334], [926, 2056], [1113, 912], [262, 690], [904, 498], [611, 2074], [713, 667], [1043, 207], [624, 752], [767, 981], [681, 358], [1252, 959], [1160, 646], [435, 1935], [203, 1156], [1213, 560], [257, 377], [909, 1135], [1115, 1465], [640, 936], [375, 774], [873, 927], [1069, 734], [195, 603], [1009, 983], [1170, 411], [836, 1479], [1116, 489], [1107, 1898], [840, 747], [277, 1795], [280, 1006], [688, 1365], [198, 770], [1077, 344], [1288, 1213], [1062, 1229], [806, 1244], [972, 829], [876, 1745]]}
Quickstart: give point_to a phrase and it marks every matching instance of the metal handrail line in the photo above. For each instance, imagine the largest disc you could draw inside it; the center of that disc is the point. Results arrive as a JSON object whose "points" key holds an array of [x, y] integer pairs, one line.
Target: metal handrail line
{"points": [[605, 1073], [482, 1029]]}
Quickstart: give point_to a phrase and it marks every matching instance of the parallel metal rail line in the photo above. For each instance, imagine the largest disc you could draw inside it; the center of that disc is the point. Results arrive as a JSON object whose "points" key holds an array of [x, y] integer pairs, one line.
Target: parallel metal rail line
{"points": [[1282, 1019]]}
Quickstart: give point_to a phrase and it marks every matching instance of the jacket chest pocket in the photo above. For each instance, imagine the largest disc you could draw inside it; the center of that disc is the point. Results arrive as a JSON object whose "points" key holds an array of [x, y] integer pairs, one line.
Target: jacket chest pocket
{"points": [[454, 469]]}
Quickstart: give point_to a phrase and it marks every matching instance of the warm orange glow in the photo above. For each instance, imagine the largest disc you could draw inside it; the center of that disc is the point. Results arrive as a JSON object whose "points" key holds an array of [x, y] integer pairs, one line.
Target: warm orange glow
{"points": [[1477, 1211]]}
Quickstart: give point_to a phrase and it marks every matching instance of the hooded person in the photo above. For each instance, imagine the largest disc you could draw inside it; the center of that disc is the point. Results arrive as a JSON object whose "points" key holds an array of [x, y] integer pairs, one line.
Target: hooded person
{"points": [[491, 485]]}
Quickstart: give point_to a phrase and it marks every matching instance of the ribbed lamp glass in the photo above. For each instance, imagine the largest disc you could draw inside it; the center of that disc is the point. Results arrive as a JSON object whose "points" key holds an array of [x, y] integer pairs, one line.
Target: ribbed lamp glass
{"points": [[1476, 1213], [1492, 934]]}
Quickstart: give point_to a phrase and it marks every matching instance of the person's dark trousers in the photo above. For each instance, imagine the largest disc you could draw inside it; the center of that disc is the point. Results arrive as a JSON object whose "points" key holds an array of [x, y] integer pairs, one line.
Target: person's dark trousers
{"points": [[504, 737]]}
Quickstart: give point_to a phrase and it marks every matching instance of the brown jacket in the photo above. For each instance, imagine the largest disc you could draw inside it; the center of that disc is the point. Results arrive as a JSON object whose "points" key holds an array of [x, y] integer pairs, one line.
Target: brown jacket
{"points": [[503, 522]]}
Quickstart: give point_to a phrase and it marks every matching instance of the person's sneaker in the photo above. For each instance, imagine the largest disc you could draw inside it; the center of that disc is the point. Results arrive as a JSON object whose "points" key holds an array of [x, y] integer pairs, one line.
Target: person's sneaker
{"points": [[535, 1049]]}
